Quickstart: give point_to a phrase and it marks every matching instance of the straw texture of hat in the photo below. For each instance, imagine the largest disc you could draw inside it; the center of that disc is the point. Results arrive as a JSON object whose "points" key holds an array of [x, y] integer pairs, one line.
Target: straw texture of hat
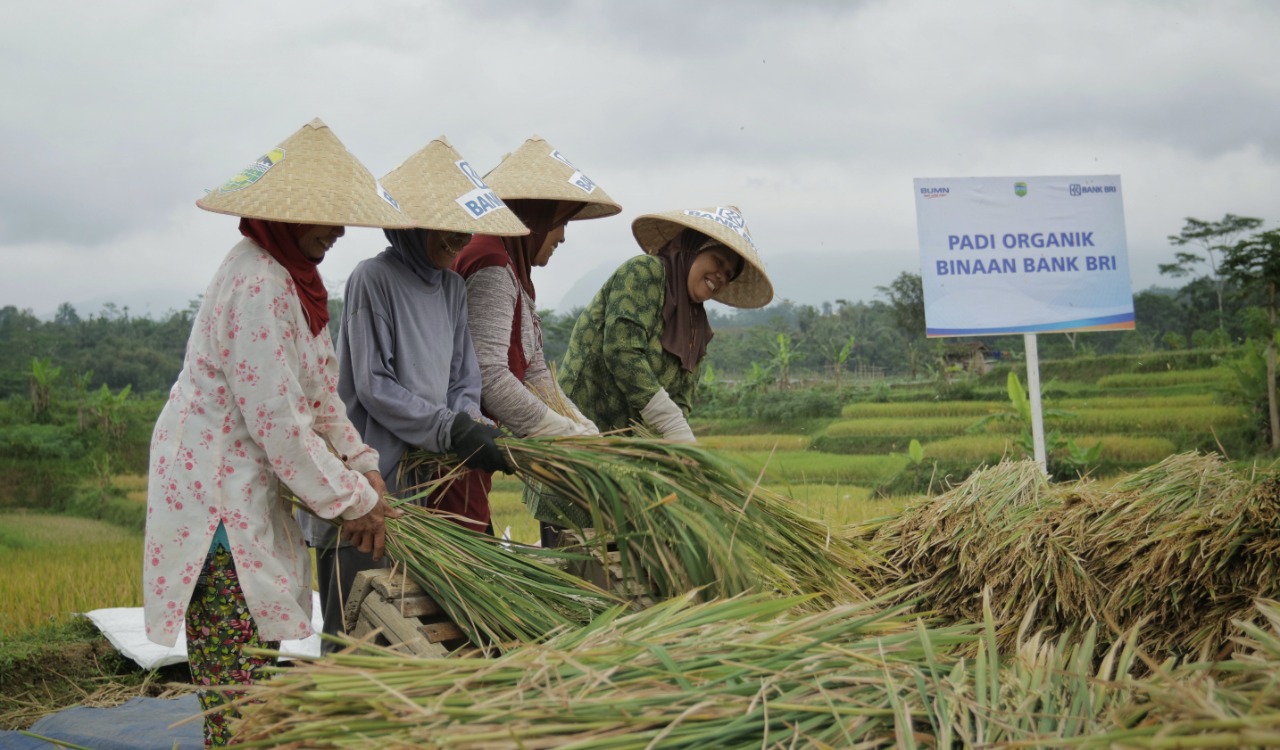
{"points": [[310, 178], [537, 170], [438, 189], [723, 224]]}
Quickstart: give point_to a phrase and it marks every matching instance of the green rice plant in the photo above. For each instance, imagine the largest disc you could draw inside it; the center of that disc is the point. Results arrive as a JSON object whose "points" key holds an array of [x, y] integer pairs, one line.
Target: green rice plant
{"points": [[734, 673], [1190, 419], [1211, 377], [975, 449], [923, 428], [54, 566], [989, 449], [1138, 402], [507, 511], [732, 443], [497, 593], [810, 466], [839, 505], [683, 517], [918, 409]]}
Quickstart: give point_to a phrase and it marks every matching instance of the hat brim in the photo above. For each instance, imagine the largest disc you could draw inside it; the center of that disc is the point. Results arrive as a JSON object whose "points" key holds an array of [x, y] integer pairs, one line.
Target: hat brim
{"points": [[537, 171], [310, 178], [751, 289]]}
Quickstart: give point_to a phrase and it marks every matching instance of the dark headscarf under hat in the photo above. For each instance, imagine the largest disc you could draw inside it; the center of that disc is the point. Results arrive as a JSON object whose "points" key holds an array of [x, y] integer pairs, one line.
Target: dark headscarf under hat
{"points": [[541, 217], [687, 331], [280, 240], [409, 246]]}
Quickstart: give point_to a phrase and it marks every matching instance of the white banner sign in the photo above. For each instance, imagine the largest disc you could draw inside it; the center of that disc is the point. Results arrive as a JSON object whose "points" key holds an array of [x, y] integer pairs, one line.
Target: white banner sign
{"points": [[1002, 255]]}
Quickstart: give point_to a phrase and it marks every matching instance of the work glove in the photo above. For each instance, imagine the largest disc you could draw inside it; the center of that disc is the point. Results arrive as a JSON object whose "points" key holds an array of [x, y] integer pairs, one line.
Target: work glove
{"points": [[662, 414], [473, 442], [588, 427], [553, 424]]}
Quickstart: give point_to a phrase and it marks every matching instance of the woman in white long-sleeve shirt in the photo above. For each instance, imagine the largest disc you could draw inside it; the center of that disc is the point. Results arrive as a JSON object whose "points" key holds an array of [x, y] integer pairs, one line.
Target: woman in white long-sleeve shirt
{"points": [[254, 407]]}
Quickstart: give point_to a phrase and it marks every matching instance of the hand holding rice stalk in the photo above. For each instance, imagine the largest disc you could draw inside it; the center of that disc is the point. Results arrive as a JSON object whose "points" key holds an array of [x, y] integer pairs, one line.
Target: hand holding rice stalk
{"points": [[497, 592], [683, 518]]}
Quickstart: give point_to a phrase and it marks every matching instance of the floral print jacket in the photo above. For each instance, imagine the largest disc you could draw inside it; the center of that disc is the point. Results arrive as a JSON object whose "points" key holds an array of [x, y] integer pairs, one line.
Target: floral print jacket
{"points": [[255, 404]]}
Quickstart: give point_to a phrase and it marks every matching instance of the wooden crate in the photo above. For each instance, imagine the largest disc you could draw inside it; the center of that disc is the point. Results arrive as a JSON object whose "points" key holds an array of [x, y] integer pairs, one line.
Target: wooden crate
{"points": [[404, 617], [605, 571]]}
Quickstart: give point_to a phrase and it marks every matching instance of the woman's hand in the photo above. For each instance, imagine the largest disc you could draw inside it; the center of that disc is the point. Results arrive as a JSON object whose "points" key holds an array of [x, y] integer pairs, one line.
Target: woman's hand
{"points": [[368, 532]]}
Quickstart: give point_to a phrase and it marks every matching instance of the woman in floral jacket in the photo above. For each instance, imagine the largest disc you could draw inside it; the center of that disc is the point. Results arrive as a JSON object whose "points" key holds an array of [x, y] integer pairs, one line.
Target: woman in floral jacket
{"points": [[255, 407]]}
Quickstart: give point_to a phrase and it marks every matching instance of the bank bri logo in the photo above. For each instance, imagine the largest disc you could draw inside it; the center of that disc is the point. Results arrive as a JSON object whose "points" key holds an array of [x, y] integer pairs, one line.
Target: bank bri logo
{"points": [[1077, 190]]}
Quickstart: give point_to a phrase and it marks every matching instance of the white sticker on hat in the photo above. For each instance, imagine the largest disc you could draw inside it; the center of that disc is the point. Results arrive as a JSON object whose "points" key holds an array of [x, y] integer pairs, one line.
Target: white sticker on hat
{"points": [[384, 195], [727, 217], [577, 179], [480, 202], [253, 172]]}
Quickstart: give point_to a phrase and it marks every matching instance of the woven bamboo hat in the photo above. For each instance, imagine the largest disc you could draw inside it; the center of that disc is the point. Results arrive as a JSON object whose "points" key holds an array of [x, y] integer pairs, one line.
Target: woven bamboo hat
{"points": [[537, 170], [310, 178], [725, 225], [438, 189]]}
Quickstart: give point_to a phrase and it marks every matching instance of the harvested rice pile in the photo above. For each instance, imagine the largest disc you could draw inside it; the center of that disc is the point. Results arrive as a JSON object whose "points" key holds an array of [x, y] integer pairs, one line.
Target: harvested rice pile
{"points": [[684, 518], [1182, 548], [749, 672]]}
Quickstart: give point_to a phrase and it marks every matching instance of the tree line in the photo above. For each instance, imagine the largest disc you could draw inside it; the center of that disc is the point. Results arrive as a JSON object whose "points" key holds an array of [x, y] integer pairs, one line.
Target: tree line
{"points": [[1226, 301]]}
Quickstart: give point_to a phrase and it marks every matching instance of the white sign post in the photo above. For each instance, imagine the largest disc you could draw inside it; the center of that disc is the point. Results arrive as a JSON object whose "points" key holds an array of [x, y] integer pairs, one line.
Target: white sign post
{"points": [[1005, 255]]}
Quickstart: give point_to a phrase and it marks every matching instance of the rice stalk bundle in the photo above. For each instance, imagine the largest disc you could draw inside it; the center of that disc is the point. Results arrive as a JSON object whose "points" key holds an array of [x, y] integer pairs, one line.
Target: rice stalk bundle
{"points": [[683, 517], [734, 673], [990, 532], [1186, 546], [497, 592], [1182, 549]]}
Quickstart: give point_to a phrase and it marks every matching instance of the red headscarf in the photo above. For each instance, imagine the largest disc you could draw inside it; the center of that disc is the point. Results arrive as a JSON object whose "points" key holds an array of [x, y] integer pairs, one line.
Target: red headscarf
{"points": [[280, 240]]}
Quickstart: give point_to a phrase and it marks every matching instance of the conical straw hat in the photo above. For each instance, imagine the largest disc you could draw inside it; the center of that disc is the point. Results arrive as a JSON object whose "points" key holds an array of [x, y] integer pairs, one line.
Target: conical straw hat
{"points": [[537, 170], [310, 178], [438, 189], [723, 224]]}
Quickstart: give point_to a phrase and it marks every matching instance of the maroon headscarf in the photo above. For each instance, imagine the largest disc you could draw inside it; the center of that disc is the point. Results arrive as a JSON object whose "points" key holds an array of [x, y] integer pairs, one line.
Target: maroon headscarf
{"points": [[280, 240], [542, 217], [687, 331]]}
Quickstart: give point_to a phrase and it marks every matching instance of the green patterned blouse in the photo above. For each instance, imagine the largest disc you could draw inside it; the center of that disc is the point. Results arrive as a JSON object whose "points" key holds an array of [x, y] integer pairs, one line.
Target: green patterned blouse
{"points": [[615, 362]]}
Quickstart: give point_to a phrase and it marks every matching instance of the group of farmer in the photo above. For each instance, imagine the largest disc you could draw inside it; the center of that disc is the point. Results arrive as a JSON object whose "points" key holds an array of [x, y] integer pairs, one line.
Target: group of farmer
{"points": [[439, 350]]}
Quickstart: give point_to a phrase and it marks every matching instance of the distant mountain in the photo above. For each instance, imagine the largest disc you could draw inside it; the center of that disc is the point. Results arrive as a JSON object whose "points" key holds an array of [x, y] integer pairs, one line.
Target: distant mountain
{"points": [[154, 302], [803, 278]]}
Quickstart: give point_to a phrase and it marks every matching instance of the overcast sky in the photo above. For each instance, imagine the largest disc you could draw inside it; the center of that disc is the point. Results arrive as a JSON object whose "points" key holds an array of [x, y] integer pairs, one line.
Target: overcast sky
{"points": [[811, 117]]}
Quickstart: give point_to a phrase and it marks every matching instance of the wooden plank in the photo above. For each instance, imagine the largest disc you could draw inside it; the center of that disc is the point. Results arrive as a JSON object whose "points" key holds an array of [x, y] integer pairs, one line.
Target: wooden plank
{"points": [[404, 634], [396, 585], [418, 606], [439, 632], [360, 588]]}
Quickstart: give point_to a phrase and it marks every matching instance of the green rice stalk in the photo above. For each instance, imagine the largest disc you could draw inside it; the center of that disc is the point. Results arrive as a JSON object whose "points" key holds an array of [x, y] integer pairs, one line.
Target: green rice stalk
{"points": [[497, 592]]}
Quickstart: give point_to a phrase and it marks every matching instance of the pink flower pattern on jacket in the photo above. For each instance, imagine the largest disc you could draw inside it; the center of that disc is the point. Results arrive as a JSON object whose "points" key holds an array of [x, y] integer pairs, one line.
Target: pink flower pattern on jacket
{"points": [[256, 403]]}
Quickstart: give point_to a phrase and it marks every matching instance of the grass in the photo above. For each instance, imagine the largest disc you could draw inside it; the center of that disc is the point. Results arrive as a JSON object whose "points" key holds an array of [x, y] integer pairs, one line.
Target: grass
{"points": [[803, 467], [1210, 376], [58, 565]]}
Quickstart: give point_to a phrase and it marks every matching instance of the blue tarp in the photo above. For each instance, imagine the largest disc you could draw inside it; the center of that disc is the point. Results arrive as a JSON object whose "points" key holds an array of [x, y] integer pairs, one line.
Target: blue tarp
{"points": [[140, 724]]}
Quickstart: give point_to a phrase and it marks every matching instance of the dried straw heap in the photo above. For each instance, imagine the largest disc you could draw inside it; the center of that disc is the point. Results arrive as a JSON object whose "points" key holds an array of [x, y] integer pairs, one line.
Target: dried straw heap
{"points": [[1181, 549]]}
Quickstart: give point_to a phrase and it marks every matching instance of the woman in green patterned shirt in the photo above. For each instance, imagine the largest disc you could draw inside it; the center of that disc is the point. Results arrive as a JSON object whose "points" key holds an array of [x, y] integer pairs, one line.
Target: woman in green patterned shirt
{"points": [[634, 352]]}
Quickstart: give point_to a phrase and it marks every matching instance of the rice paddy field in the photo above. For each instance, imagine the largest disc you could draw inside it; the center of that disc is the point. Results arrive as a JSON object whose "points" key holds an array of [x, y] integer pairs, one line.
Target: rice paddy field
{"points": [[1135, 607]]}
